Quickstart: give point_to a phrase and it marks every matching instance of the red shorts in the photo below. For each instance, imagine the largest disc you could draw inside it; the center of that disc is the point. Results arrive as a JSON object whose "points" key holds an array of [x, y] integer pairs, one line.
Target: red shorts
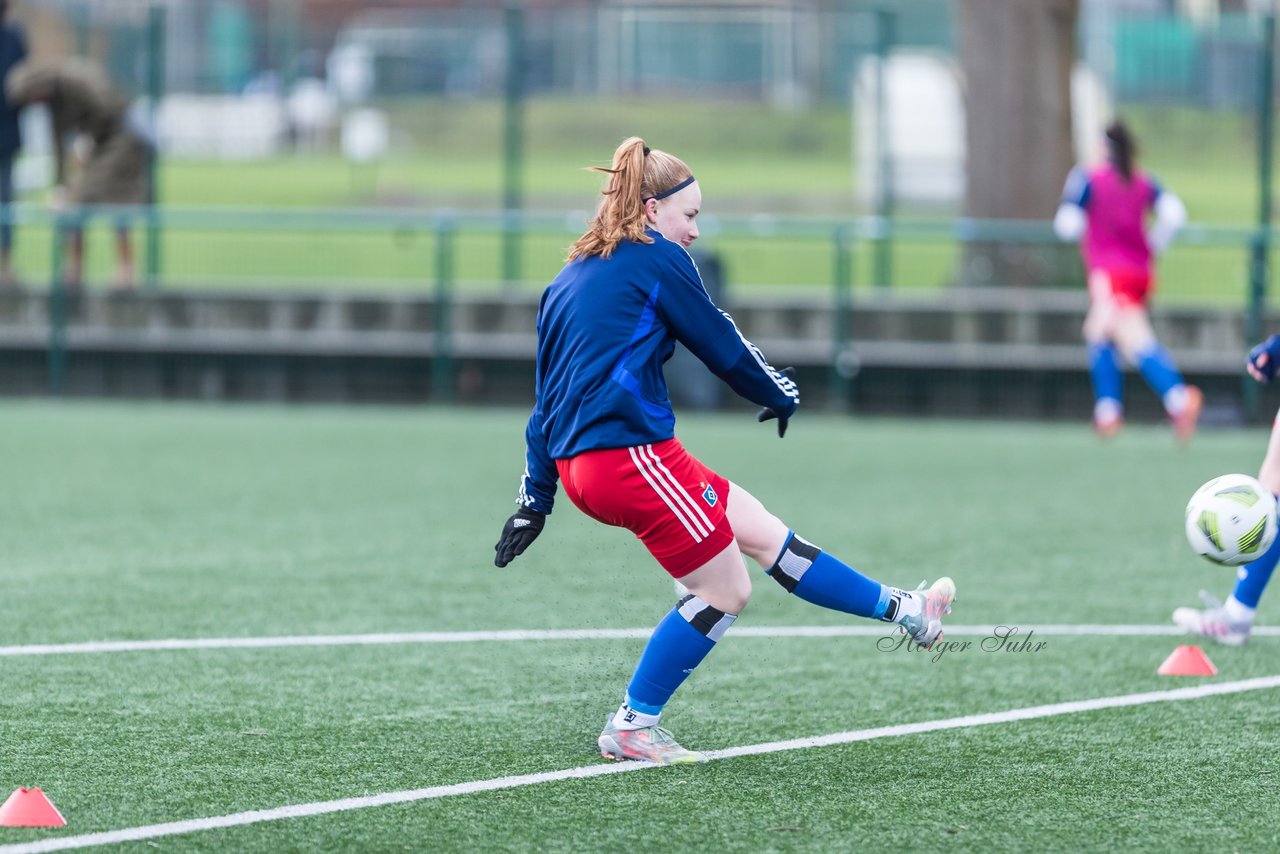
{"points": [[661, 493], [1129, 288]]}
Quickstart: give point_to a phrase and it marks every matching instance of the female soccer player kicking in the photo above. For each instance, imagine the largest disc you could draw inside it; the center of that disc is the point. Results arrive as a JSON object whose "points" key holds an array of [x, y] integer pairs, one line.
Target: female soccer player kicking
{"points": [[1230, 622], [602, 424], [1108, 205]]}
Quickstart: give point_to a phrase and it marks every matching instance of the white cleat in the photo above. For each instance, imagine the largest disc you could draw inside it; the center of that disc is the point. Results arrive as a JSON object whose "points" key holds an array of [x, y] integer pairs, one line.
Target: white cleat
{"points": [[925, 628], [649, 744], [1212, 622]]}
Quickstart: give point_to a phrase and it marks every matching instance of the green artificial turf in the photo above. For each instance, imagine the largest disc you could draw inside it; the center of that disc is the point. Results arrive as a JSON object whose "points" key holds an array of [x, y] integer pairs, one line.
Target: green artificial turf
{"points": [[177, 521]]}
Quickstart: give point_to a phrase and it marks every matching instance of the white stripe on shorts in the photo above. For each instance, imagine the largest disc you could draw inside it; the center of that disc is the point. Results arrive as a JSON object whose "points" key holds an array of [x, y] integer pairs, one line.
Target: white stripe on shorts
{"points": [[659, 470], [697, 534], [663, 476]]}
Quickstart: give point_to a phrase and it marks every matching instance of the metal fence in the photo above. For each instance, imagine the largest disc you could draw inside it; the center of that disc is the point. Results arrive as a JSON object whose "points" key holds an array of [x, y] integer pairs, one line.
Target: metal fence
{"points": [[582, 48], [495, 104], [395, 250], [236, 80], [439, 259]]}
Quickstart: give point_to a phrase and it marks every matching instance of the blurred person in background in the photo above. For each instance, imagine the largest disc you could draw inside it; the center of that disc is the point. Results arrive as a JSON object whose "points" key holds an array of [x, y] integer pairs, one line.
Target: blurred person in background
{"points": [[602, 424], [1106, 208], [13, 50], [116, 170], [1231, 622]]}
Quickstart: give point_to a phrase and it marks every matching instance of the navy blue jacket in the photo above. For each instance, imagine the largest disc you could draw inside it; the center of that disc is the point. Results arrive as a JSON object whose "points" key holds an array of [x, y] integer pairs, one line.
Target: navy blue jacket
{"points": [[605, 327]]}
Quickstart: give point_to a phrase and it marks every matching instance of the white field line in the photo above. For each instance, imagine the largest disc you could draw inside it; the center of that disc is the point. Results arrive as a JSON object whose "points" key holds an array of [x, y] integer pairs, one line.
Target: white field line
{"points": [[574, 634], [153, 831]]}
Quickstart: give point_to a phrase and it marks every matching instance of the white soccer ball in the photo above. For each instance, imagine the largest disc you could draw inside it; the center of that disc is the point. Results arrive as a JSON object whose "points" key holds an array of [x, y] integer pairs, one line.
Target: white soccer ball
{"points": [[1231, 519]]}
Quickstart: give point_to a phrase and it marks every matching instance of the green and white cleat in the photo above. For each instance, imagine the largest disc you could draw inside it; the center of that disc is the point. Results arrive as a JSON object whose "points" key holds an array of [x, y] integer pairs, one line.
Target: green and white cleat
{"points": [[650, 744], [925, 627]]}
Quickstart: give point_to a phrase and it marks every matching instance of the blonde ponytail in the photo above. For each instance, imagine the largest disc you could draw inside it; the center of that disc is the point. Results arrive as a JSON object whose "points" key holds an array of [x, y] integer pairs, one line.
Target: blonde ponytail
{"points": [[638, 173]]}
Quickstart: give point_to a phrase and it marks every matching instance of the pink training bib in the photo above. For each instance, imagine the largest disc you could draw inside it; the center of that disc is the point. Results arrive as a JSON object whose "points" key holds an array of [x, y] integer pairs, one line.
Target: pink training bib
{"points": [[1116, 211]]}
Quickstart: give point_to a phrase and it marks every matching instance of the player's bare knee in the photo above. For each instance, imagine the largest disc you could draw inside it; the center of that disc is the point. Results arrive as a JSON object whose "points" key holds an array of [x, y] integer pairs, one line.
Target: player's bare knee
{"points": [[726, 586], [734, 599], [1097, 327], [759, 534]]}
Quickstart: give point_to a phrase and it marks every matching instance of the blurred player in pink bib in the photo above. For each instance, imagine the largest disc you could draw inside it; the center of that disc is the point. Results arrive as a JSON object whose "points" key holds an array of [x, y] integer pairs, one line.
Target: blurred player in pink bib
{"points": [[1107, 208]]}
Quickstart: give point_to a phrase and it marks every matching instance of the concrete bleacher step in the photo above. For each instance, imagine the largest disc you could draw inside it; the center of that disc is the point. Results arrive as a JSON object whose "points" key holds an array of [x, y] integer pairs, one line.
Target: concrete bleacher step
{"points": [[977, 330]]}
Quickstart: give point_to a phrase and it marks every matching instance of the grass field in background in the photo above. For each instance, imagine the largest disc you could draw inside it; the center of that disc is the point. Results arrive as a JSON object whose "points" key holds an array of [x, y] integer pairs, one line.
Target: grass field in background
{"points": [[750, 160], [403, 260], [181, 521]]}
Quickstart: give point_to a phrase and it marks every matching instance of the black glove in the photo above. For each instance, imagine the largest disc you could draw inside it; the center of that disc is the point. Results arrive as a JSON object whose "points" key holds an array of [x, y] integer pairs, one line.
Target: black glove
{"points": [[768, 414], [521, 529]]}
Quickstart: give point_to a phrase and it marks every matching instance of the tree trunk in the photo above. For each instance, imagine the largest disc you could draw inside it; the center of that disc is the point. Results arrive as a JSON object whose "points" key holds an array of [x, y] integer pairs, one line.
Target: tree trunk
{"points": [[1017, 58]]}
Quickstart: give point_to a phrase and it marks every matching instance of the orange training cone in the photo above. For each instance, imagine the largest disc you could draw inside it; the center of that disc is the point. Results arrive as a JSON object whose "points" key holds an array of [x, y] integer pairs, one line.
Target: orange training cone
{"points": [[1187, 661], [30, 808]]}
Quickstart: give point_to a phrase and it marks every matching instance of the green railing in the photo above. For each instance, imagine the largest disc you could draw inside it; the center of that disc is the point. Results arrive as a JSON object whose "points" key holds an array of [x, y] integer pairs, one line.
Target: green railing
{"points": [[274, 248], [437, 240]]}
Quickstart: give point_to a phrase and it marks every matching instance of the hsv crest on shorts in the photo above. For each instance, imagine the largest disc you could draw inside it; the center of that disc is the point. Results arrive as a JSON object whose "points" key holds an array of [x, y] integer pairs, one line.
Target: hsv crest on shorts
{"points": [[709, 495]]}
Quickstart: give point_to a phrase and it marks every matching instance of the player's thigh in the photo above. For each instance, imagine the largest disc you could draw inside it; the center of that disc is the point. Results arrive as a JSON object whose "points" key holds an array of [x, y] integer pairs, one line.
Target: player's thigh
{"points": [[661, 493], [1097, 321], [760, 534], [722, 582]]}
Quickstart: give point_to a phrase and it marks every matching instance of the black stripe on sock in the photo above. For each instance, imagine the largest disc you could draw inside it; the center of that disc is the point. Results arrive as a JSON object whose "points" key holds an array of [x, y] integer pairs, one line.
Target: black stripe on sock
{"points": [[788, 583], [706, 619], [895, 601], [808, 551], [800, 549]]}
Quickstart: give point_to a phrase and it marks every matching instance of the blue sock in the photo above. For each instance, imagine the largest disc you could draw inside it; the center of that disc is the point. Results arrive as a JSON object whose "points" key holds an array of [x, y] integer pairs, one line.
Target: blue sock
{"points": [[817, 577], [676, 647], [1252, 578], [1158, 369], [1104, 370]]}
